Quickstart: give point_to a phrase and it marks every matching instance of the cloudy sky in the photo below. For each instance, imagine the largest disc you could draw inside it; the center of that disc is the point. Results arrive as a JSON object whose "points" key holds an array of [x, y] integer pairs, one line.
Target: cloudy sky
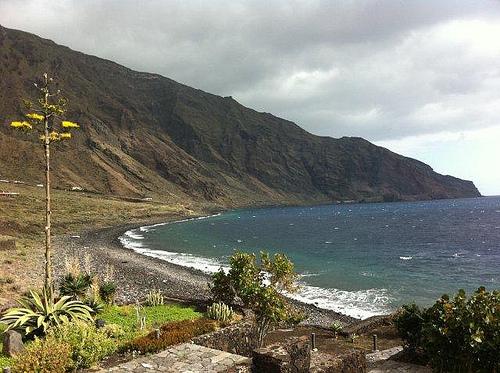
{"points": [[421, 78]]}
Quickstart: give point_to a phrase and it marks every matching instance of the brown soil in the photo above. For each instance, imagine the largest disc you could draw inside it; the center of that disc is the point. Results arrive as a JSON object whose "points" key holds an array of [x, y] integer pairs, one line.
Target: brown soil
{"points": [[327, 342]]}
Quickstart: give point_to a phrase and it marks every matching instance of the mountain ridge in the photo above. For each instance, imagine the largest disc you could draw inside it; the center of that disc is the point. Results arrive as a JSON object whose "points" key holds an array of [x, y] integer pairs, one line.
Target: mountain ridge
{"points": [[146, 135]]}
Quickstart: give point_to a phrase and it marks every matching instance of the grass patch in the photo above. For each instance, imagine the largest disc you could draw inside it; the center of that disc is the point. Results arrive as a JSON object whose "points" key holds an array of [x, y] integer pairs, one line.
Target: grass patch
{"points": [[126, 317]]}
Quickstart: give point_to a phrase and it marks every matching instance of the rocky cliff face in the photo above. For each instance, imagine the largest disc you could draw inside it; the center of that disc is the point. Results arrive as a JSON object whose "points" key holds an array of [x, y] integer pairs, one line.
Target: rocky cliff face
{"points": [[146, 135]]}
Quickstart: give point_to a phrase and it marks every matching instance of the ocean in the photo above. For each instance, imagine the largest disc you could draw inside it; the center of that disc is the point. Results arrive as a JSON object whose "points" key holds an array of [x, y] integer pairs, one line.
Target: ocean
{"points": [[358, 259]]}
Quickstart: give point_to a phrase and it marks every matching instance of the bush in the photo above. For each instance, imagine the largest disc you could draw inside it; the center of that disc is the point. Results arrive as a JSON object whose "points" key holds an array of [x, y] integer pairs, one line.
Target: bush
{"points": [[114, 331], [88, 345], [409, 322], [44, 356], [336, 328], [457, 335], [107, 291], [170, 334], [220, 312], [259, 286]]}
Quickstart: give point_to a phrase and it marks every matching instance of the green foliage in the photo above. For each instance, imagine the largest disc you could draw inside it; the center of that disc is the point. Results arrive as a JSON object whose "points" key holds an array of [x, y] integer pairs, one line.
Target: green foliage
{"points": [[95, 305], [39, 313], [75, 286], [154, 298], [220, 312], [336, 328], [459, 334], [221, 288], [113, 331], [5, 361], [125, 316], [170, 334], [107, 291], [409, 322], [43, 356], [258, 287], [88, 344]]}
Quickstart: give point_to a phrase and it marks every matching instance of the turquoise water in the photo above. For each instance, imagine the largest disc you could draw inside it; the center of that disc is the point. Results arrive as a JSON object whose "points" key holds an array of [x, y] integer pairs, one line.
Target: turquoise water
{"points": [[360, 259]]}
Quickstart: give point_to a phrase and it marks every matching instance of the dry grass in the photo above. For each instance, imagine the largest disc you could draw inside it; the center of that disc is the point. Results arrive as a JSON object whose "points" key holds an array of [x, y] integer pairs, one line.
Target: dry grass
{"points": [[22, 217]]}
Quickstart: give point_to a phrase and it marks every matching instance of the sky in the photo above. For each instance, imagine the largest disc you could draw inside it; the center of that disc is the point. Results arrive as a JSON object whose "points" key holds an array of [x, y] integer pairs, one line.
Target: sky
{"points": [[421, 78]]}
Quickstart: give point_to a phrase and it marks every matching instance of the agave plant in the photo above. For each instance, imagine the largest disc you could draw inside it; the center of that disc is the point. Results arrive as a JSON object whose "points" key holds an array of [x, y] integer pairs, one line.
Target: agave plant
{"points": [[38, 313], [75, 286]]}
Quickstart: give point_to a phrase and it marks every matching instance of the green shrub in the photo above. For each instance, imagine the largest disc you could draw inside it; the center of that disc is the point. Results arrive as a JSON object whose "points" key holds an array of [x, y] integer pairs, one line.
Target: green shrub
{"points": [[220, 312], [409, 322], [75, 286], [38, 313], [43, 356], [107, 291], [170, 334], [336, 328], [88, 344], [113, 331], [154, 298], [259, 286], [459, 334]]}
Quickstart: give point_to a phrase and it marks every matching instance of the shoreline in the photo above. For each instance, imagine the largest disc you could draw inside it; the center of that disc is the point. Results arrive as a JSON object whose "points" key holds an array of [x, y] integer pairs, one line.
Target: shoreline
{"points": [[136, 273]]}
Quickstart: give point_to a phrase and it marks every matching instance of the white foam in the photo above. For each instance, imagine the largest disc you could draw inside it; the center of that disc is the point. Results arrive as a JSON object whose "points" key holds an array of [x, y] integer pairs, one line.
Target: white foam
{"points": [[207, 265], [361, 303], [134, 235]]}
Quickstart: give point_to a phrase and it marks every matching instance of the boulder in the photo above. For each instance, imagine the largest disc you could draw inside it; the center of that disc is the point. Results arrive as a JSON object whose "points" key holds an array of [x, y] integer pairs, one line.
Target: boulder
{"points": [[12, 343], [291, 356], [7, 243]]}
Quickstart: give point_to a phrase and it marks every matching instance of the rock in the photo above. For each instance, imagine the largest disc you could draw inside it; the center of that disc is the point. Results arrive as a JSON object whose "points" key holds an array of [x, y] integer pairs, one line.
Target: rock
{"points": [[292, 356], [12, 343], [7, 243]]}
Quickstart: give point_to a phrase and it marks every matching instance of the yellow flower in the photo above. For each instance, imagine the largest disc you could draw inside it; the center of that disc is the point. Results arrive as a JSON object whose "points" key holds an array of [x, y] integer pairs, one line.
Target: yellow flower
{"points": [[21, 124], [54, 136], [35, 116], [68, 124], [65, 135]]}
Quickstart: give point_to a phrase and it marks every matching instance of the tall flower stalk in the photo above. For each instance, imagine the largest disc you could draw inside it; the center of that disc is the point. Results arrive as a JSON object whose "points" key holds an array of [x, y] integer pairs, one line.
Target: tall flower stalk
{"points": [[45, 117]]}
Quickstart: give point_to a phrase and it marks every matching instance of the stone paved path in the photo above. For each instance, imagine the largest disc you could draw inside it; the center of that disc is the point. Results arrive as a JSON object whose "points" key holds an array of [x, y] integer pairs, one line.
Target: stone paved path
{"points": [[378, 363], [186, 357]]}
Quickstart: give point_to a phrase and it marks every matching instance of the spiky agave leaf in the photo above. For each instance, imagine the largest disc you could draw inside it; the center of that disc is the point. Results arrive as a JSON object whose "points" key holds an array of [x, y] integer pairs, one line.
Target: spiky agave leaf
{"points": [[38, 313]]}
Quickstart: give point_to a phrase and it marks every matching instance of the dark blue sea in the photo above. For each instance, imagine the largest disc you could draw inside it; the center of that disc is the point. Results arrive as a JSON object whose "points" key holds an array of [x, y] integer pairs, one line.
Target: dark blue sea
{"points": [[359, 259]]}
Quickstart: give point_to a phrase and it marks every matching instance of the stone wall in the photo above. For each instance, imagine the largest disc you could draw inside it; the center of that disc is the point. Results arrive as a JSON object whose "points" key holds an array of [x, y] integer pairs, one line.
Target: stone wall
{"points": [[237, 339], [367, 325]]}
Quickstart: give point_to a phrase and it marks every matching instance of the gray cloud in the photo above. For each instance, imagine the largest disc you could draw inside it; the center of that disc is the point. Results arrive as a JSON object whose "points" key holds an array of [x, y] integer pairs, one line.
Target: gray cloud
{"points": [[382, 70]]}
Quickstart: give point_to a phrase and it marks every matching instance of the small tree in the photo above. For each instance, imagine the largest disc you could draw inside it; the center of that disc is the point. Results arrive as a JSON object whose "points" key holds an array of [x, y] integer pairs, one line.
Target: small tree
{"points": [[259, 287], [45, 117]]}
